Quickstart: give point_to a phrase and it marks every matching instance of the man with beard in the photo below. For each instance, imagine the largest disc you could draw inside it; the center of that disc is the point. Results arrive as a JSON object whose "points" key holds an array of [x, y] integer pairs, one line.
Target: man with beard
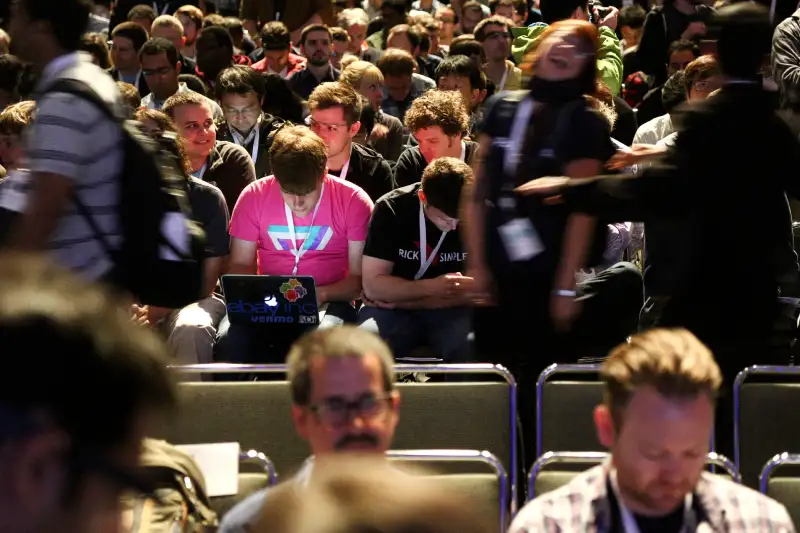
{"points": [[657, 419], [344, 400], [315, 44]]}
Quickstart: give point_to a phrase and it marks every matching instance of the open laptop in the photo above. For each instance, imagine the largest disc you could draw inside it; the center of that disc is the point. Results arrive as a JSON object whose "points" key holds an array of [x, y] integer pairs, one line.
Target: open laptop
{"points": [[284, 305]]}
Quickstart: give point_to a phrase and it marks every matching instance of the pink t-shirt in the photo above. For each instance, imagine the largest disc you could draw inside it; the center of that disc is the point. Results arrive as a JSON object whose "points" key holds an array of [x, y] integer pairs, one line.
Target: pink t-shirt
{"points": [[343, 215]]}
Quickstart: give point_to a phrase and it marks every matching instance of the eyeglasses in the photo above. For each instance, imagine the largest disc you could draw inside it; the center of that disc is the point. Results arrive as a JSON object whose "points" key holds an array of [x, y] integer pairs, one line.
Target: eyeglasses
{"points": [[498, 34], [705, 86], [322, 127], [247, 111], [163, 71], [338, 412]]}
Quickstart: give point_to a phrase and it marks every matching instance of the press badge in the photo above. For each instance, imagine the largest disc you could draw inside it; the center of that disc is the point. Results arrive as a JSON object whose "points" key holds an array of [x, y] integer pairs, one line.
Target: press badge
{"points": [[520, 239]]}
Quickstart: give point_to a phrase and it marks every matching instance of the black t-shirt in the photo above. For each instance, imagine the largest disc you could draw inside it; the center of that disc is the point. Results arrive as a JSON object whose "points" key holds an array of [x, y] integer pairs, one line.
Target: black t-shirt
{"points": [[394, 236], [411, 164], [671, 523], [211, 212], [369, 170]]}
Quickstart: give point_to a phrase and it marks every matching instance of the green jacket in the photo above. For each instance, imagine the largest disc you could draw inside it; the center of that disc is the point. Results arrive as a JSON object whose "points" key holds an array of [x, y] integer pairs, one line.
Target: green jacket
{"points": [[609, 61]]}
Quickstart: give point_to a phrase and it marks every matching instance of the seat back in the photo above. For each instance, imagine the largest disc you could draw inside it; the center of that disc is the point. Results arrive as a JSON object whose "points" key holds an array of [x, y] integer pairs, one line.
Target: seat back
{"points": [[780, 480], [458, 415], [555, 469], [760, 394], [566, 396]]}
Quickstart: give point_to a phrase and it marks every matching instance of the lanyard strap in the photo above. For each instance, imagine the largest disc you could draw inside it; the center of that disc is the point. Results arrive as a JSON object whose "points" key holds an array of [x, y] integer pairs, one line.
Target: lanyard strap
{"points": [[346, 166], [517, 135], [503, 79], [425, 261], [163, 10], [629, 524], [242, 141], [298, 252]]}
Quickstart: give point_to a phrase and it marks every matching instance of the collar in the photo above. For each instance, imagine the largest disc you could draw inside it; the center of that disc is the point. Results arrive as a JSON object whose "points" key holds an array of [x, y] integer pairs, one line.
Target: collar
{"points": [[241, 139]]}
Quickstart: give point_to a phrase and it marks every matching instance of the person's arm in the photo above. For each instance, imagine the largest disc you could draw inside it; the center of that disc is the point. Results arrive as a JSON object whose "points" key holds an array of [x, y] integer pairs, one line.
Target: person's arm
{"points": [[245, 232], [218, 242], [383, 179], [473, 216], [243, 256], [609, 60], [381, 286], [406, 171], [349, 288], [786, 61], [49, 195], [239, 173]]}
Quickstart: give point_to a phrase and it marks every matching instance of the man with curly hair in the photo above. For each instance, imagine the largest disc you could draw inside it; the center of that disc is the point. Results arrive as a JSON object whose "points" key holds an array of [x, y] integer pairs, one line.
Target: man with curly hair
{"points": [[439, 121]]}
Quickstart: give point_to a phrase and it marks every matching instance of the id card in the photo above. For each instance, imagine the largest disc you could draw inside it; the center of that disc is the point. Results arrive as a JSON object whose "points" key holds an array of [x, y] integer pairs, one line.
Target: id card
{"points": [[520, 240]]}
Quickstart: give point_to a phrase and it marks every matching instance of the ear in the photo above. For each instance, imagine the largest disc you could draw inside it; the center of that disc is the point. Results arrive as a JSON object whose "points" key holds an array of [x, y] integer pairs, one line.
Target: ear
{"points": [[354, 129], [301, 419], [606, 432], [183, 40]]}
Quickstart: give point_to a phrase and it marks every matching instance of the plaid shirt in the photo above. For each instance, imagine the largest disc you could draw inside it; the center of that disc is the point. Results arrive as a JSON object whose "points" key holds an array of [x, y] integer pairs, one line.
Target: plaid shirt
{"points": [[583, 506]]}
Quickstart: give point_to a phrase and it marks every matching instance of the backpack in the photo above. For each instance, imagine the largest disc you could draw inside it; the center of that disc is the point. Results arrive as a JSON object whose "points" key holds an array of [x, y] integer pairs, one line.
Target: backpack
{"points": [[159, 261], [179, 503]]}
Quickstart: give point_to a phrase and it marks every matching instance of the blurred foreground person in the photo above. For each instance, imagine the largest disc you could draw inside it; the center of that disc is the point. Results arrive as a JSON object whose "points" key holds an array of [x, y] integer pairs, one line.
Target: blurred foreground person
{"points": [[360, 495], [656, 419], [80, 385]]}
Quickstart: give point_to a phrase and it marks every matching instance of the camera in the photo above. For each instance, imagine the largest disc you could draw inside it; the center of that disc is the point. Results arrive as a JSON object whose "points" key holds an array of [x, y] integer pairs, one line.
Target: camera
{"points": [[597, 11]]}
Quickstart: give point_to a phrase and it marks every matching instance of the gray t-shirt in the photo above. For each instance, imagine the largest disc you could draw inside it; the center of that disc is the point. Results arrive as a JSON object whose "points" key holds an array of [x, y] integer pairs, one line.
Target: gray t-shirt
{"points": [[75, 139]]}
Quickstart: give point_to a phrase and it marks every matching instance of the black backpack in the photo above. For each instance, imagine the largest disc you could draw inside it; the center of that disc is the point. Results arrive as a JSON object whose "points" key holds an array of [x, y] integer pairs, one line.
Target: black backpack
{"points": [[160, 259]]}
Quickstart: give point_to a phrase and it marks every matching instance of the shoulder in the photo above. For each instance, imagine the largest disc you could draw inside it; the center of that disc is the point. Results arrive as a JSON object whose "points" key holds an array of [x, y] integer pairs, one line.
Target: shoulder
{"points": [[411, 156], [205, 189], [390, 121], [244, 514], [345, 189], [368, 156], [231, 151], [259, 187], [399, 196], [424, 81], [750, 506]]}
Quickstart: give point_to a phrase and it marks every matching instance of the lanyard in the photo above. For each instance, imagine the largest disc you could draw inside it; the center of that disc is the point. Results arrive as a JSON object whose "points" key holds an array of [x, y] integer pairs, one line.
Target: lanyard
{"points": [[517, 135], [163, 11], [241, 141], [199, 174], [503, 79], [425, 261], [346, 166], [463, 151], [629, 524], [298, 253]]}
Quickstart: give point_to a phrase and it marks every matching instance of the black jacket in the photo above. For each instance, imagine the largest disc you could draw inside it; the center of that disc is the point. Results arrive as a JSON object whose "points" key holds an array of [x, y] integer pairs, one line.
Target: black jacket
{"points": [[718, 228], [370, 171], [269, 127]]}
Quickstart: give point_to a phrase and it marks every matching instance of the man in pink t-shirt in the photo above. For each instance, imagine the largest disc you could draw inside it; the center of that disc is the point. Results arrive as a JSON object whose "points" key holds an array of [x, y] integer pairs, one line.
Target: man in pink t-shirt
{"points": [[299, 221]]}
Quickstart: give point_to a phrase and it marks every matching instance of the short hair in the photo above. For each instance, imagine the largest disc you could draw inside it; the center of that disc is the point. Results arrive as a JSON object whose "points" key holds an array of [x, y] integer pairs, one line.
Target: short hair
{"points": [[412, 34], [442, 182], [672, 361], [347, 60], [241, 80], [159, 117], [494, 4], [438, 108], [744, 40], [275, 36], [340, 34], [167, 21], [632, 16], [130, 96], [495, 20], [682, 46], [555, 10], [193, 13], [183, 98], [142, 11], [334, 94], [472, 4], [194, 83], [12, 70], [235, 26], [313, 27], [298, 158], [352, 17], [465, 45], [700, 69], [97, 45], [362, 494], [359, 71], [133, 32], [674, 91], [67, 19], [344, 341], [221, 36], [75, 329], [214, 20], [16, 117], [395, 62], [159, 45], [425, 21], [462, 67]]}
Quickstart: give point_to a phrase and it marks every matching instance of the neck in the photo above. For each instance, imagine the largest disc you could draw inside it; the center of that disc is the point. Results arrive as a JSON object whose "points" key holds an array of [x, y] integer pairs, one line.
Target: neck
{"points": [[496, 68], [129, 71], [319, 72], [685, 7], [455, 150], [198, 161], [337, 161]]}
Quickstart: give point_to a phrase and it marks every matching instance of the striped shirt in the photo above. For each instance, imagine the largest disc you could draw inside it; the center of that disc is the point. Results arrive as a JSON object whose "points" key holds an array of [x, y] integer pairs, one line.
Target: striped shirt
{"points": [[71, 137]]}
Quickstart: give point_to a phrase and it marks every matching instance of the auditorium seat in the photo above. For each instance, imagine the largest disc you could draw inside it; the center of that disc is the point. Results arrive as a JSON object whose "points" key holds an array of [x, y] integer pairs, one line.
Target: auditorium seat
{"points": [[780, 480]]}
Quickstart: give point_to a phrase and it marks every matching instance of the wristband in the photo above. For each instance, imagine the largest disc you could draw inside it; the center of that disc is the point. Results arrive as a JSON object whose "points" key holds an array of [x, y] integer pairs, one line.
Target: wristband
{"points": [[565, 293]]}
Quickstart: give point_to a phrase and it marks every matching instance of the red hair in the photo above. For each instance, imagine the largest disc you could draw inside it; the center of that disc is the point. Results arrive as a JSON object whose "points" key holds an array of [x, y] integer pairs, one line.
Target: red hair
{"points": [[584, 30]]}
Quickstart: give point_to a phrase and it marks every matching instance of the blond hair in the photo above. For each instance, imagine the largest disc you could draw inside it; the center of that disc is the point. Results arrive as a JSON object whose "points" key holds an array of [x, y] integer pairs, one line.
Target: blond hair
{"points": [[671, 361], [360, 71], [16, 117]]}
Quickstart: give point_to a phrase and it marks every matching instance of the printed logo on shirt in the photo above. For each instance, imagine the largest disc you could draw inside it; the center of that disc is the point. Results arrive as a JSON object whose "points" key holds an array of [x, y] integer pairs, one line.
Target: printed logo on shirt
{"points": [[293, 290], [444, 257], [312, 238]]}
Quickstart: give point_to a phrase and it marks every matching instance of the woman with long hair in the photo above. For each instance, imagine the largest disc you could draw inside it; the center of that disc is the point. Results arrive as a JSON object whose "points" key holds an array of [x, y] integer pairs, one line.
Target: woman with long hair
{"points": [[524, 254]]}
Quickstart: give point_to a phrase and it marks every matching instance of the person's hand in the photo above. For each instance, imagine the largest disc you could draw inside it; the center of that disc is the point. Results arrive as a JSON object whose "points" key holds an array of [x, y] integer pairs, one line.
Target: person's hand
{"points": [[543, 186], [379, 132], [563, 311], [375, 303], [321, 297], [611, 19], [636, 154], [139, 315], [448, 285], [694, 29], [481, 287]]}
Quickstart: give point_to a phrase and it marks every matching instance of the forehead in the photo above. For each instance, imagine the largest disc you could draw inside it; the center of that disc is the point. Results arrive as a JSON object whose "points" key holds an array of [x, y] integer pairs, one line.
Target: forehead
{"points": [[433, 132], [492, 28], [155, 59], [331, 114], [166, 32], [192, 113], [454, 79], [236, 99], [397, 80], [185, 20], [345, 376], [647, 408], [122, 42], [682, 55], [317, 35]]}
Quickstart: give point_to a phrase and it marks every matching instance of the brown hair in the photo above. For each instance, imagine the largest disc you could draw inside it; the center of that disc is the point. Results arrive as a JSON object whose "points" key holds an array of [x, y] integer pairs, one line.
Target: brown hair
{"points": [[15, 118], [298, 159], [130, 96], [700, 69], [396, 62], [582, 29], [313, 27], [438, 108], [183, 98], [193, 13], [370, 495], [96, 44], [494, 20], [165, 123], [672, 361], [334, 94]]}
